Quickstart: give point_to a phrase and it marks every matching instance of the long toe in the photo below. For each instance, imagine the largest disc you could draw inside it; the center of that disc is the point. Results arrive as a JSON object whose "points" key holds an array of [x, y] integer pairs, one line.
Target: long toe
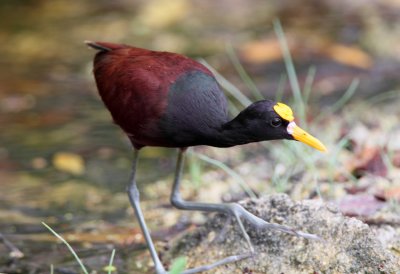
{"points": [[225, 260], [160, 270], [259, 223]]}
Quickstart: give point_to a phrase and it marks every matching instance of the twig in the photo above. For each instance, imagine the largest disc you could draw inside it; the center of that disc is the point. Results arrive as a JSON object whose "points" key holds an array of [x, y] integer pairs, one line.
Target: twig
{"points": [[14, 251]]}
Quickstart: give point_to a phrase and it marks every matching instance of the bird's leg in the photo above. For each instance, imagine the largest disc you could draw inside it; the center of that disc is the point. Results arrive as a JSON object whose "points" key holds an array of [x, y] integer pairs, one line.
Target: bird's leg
{"points": [[134, 194], [232, 209], [179, 203]]}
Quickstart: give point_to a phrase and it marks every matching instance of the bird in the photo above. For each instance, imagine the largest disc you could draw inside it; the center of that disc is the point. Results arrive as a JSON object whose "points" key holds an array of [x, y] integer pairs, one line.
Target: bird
{"points": [[169, 100]]}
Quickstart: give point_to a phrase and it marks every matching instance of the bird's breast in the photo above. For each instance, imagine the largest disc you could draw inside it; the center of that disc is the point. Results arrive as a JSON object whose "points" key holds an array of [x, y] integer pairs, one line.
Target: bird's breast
{"points": [[196, 109]]}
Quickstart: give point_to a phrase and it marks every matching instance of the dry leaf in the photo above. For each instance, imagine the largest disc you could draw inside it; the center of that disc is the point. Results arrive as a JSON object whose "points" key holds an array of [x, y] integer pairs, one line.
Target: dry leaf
{"points": [[69, 162], [396, 158], [261, 51], [368, 160], [360, 205], [269, 50], [356, 189], [348, 55], [392, 193]]}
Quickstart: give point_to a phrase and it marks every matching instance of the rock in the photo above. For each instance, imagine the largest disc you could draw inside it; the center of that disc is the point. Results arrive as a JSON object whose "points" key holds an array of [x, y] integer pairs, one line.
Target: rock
{"points": [[349, 245]]}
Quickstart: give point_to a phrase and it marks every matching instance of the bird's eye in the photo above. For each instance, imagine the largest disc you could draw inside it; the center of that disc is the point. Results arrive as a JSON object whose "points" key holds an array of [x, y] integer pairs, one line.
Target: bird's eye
{"points": [[276, 122]]}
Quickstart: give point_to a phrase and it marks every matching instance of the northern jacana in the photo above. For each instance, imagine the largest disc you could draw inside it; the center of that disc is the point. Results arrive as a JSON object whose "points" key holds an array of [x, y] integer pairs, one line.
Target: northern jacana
{"points": [[168, 100]]}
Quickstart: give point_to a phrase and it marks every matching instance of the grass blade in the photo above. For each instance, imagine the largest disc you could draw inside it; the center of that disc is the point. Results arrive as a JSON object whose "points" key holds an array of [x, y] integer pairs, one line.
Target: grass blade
{"points": [[110, 267], [281, 88], [69, 247], [228, 86], [242, 72], [308, 84], [291, 71], [388, 95], [195, 170], [346, 96], [233, 110], [341, 102], [229, 171]]}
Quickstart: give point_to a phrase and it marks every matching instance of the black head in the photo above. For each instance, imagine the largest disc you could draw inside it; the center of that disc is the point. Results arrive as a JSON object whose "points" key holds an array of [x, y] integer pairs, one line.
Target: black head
{"points": [[267, 120], [260, 122]]}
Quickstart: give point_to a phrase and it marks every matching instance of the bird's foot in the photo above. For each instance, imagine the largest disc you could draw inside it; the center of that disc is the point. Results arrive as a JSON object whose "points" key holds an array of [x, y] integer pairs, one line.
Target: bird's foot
{"points": [[160, 269], [241, 213], [225, 260], [230, 259]]}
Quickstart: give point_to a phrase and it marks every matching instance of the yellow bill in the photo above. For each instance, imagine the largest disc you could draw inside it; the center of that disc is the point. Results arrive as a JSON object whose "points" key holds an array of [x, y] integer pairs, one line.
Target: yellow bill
{"points": [[286, 113], [304, 137]]}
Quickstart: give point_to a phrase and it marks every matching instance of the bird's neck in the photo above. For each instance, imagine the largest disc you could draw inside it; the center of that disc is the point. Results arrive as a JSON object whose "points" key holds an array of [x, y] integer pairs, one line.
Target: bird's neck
{"points": [[230, 134]]}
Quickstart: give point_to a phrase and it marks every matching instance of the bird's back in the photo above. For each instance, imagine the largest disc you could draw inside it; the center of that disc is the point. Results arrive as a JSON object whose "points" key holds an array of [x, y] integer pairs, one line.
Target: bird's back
{"points": [[158, 98]]}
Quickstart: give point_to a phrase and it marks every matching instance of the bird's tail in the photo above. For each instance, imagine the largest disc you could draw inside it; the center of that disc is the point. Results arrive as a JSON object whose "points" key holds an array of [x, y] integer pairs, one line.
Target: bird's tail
{"points": [[104, 46]]}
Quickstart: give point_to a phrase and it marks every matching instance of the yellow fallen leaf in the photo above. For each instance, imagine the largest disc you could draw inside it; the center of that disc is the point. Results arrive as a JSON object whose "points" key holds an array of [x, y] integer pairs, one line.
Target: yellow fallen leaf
{"points": [[261, 51], [349, 55], [69, 162], [269, 50]]}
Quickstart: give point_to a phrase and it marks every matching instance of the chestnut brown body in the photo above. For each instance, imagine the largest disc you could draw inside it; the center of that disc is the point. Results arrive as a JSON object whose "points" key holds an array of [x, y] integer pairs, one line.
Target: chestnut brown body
{"points": [[138, 85]]}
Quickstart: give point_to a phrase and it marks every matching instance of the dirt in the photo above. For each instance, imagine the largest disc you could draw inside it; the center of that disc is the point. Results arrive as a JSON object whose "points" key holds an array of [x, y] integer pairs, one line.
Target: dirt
{"points": [[348, 246]]}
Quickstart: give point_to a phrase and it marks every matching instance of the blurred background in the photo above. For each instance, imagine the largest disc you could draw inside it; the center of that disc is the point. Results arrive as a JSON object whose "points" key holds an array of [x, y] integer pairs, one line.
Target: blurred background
{"points": [[64, 162]]}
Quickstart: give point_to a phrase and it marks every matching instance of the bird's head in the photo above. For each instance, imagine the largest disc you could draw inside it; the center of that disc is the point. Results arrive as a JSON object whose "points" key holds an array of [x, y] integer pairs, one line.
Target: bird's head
{"points": [[268, 120]]}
